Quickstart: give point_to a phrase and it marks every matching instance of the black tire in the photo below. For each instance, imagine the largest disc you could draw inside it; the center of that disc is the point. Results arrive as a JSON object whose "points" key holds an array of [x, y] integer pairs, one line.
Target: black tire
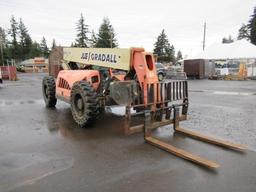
{"points": [[84, 103], [160, 76], [48, 88]]}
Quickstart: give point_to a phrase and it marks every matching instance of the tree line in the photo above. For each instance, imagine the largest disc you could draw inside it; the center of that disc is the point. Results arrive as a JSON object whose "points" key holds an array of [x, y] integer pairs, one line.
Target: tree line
{"points": [[17, 43], [106, 38]]}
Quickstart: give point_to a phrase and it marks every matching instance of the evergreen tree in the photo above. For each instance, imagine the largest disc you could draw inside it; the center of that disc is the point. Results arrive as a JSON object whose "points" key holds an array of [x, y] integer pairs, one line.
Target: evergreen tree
{"points": [[3, 37], [244, 32], [82, 30], [164, 51], [35, 50], [13, 31], [179, 56], [106, 37], [25, 41], [93, 39], [228, 40], [252, 27], [6, 46], [248, 31], [43, 48], [2, 45]]}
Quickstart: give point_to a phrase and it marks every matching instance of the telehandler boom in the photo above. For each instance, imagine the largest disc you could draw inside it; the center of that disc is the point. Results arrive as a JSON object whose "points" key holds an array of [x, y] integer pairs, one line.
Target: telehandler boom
{"points": [[98, 77]]}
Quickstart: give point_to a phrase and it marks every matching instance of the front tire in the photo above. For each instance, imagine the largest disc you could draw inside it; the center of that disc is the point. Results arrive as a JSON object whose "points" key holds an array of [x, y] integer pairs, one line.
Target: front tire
{"points": [[84, 103], [48, 88]]}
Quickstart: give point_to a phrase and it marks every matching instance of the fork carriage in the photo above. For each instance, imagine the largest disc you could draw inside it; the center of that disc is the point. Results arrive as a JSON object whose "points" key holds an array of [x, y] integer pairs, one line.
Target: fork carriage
{"points": [[167, 103]]}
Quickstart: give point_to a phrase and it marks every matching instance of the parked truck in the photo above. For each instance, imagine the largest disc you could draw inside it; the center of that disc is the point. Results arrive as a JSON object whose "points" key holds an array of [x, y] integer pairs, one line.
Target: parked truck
{"points": [[94, 78]]}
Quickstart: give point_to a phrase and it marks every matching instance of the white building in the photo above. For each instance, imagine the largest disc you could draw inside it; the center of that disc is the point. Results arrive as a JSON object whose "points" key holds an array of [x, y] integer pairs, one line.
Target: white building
{"points": [[228, 57]]}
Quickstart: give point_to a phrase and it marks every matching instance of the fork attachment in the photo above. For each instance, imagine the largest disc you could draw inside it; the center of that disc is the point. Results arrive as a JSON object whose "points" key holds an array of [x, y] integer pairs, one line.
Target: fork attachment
{"points": [[172, 149], [167, 103]]}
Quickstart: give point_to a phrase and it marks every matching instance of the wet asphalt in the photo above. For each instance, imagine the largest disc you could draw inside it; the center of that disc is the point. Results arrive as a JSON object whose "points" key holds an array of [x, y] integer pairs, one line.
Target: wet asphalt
{"points": [[44, 150]]}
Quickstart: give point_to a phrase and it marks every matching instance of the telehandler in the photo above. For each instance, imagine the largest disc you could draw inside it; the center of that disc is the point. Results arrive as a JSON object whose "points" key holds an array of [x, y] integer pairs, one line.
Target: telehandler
{"points": [[94, 78]]}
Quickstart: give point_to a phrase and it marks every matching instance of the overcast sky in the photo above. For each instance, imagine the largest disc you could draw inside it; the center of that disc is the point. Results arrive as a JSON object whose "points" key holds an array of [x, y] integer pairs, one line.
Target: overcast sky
{"points": [[136, 22]]}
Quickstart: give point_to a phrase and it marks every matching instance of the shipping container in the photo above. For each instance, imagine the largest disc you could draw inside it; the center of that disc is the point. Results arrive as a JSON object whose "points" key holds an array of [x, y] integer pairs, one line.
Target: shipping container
{"points": [[195, 68], [198, 68]]}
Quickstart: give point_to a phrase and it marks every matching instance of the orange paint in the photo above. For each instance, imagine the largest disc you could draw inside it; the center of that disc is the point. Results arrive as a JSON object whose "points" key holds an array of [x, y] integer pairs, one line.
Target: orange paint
{"points": [[66, 78], [144, 65]]}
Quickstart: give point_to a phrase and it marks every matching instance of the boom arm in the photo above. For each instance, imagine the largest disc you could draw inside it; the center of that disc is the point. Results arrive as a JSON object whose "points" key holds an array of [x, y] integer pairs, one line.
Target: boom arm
{"points": [[103, 57]]}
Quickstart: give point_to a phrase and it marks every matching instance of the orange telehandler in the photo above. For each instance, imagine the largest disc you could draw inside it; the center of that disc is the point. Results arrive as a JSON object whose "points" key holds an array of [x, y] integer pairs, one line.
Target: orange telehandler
{"points": [[97, 77]]}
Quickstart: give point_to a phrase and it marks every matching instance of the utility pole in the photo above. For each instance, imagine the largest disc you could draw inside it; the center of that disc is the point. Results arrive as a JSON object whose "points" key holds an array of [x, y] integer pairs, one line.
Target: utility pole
{"points": [[204, 35]]}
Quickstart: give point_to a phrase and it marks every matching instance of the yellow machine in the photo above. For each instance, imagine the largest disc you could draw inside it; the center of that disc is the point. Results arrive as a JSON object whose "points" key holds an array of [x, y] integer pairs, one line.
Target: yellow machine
{"points": [[242, 74]]}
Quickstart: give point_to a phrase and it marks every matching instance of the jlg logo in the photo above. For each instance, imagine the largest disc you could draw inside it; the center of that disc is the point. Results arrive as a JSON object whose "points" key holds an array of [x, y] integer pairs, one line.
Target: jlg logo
{"points": [[99, 57]]}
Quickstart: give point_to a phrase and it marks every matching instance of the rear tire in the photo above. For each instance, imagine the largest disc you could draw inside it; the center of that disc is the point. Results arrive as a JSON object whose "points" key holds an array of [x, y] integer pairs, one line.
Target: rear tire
{"points": [[48, 88], [84, 103]]}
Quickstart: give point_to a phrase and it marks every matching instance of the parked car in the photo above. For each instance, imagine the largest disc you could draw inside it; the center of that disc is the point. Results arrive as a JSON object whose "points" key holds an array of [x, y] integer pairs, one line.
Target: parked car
{"points": [[161, 71]]}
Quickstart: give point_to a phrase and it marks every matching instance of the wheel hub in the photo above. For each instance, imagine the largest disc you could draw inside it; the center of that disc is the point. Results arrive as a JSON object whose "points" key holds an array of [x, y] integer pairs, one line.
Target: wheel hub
{"points": [[80, 104]]}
